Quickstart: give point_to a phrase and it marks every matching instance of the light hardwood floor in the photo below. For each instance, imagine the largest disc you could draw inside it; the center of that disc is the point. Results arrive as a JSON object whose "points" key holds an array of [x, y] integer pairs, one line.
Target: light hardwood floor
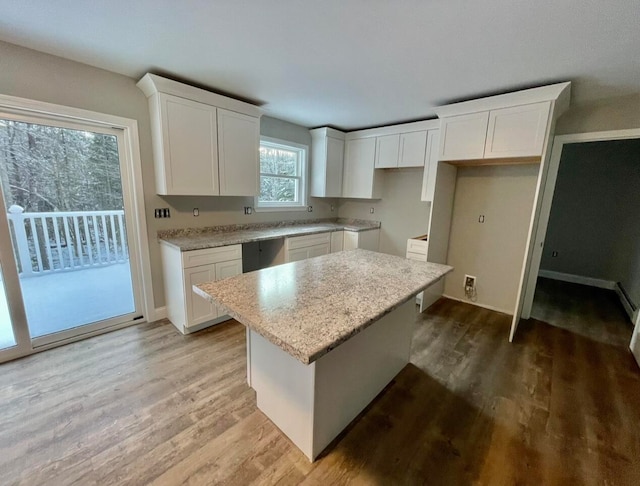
{"points": [[145, 405]]}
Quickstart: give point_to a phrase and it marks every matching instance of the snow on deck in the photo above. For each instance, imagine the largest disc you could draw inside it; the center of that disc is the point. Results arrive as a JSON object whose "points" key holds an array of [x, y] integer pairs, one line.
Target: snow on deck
{"points": [[60, 301]]}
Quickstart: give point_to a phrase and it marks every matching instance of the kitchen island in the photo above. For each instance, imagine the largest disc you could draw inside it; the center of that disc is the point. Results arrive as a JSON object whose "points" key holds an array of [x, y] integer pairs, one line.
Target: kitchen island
{"points": [[324, 335]]}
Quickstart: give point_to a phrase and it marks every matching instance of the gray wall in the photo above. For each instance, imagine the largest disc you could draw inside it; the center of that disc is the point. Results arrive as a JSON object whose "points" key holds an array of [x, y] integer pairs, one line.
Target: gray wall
{"points": [[400, 210], [595, 216], [492, 251], [31, 74]]}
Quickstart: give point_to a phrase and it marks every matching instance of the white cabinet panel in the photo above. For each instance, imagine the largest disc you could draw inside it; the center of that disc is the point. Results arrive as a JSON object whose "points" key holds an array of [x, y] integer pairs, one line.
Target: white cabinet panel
{"points": [[360, 179], [412, 149], [327, 162], [239, 141], [296, 255], [199, 310], [387, 150], [430, 166], [337, 241], [463, 137], [188, 151], [318, 250], [517, 132]]}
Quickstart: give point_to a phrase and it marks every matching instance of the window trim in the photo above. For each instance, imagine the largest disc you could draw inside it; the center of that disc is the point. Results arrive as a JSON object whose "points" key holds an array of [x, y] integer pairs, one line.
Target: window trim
{"points": [[261, 206]]}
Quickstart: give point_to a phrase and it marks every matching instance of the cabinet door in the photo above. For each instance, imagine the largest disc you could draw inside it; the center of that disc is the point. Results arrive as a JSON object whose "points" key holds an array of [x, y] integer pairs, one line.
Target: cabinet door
{"points": [[337, 241], [239, 145], [350, 240], [297, 254], [387, 149], [226, 270], [430, 166], [335, 166], [189, 147], [463, 137], [359, 180], [199, 309], [517, 132], [413, 146], [317, 250]]}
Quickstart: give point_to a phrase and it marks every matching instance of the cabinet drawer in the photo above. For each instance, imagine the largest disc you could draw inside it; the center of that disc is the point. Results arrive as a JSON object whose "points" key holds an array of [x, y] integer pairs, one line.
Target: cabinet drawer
{"points": [[194, 258], [417, 245], [420, 257], [308, 240]]}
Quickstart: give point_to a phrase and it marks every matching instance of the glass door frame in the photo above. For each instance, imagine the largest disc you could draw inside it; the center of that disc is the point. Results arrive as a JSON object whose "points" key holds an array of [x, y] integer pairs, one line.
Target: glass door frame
{"points": [[126, 132]]}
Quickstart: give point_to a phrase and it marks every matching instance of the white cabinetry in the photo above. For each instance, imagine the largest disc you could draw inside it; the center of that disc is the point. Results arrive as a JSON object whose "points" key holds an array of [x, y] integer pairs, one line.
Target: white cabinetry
{"points": [[401, 150], [387, 149], [412, 149], [517, 132], [463, 137], [327, 162], [417, 248], [367, 239], [182, 270], [238, 148], [184, 130], [512, 132], [360, 180], [302, 247], [337, 241], [204, 144], [430, 166]]}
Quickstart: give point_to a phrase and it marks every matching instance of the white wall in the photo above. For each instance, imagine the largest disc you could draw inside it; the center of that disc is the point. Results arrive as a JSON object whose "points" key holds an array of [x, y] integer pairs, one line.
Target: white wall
{"points": [[595, 217], [31, 74], [492, 251], [400, 210]]}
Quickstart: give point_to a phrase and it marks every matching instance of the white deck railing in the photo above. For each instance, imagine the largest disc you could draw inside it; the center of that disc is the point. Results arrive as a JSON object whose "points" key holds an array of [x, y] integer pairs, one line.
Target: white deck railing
{"points": [[64, 241]]}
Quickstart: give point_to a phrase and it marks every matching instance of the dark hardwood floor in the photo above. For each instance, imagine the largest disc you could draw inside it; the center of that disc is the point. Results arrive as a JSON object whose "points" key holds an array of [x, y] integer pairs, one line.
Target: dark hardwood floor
{"points": [[145, 405]]}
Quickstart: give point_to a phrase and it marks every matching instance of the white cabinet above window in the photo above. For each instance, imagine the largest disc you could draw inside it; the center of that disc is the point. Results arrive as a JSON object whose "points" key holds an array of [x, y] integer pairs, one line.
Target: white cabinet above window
{"points": [[204, 144]]}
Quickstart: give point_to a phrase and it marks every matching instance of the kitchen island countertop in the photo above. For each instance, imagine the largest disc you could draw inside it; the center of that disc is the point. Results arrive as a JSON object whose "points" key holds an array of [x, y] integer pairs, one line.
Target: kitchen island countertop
{"points": [[310, 307]]}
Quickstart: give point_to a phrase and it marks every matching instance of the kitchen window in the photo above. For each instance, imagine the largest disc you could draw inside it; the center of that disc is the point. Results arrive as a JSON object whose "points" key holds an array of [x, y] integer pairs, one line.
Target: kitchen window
{"points": [[283, 175]]}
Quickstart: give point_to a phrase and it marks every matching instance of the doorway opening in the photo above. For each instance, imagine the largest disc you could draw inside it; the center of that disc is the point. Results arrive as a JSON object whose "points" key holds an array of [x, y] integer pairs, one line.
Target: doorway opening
{"points": [[589, 265]]}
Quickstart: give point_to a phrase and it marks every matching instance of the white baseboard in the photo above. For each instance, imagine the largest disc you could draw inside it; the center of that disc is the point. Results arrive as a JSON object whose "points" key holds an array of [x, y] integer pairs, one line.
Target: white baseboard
{"points": [[628, 306], [484, 306], [158, 313], [579, 279]]}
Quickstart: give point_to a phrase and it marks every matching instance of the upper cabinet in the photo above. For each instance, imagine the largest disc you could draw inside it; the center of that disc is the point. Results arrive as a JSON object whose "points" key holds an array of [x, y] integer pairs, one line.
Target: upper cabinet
{"points": [[204, 144], [517, 132], [430, 166], [327, 162], [412, 149], [463, 136], [509, 128], [387, 151], [359, 179], [238, 153]]}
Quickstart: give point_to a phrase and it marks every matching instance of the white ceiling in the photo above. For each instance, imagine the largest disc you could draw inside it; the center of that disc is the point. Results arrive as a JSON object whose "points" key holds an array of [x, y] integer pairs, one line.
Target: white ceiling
{"points": [[346, 63]]}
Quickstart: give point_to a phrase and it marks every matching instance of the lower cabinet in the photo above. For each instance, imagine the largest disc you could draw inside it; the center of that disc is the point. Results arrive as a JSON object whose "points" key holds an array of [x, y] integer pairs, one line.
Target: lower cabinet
{"points": [[367, 240], [182, 270], [298, 248]]}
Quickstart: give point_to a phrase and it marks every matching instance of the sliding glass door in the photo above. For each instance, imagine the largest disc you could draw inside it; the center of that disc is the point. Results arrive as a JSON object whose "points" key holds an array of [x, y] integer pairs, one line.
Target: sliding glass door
{"points": [[67, 218]]}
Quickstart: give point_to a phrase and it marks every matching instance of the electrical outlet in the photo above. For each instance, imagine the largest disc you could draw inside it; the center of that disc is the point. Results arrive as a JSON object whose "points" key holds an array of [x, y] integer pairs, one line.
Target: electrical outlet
{"points": [[162, 213], [248, 210], [310, 209], [372, 210], [481, 218], [332, 208], [196, 212], [554, 254]]}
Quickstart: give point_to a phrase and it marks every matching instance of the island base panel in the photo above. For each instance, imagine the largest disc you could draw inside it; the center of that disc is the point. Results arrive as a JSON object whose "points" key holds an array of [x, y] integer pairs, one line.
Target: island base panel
{"points": [[312, 404]]}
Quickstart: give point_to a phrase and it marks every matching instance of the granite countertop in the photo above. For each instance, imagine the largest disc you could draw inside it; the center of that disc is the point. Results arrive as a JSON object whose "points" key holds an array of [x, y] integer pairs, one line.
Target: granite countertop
{"points": [[309, 307], [214, 236]]}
